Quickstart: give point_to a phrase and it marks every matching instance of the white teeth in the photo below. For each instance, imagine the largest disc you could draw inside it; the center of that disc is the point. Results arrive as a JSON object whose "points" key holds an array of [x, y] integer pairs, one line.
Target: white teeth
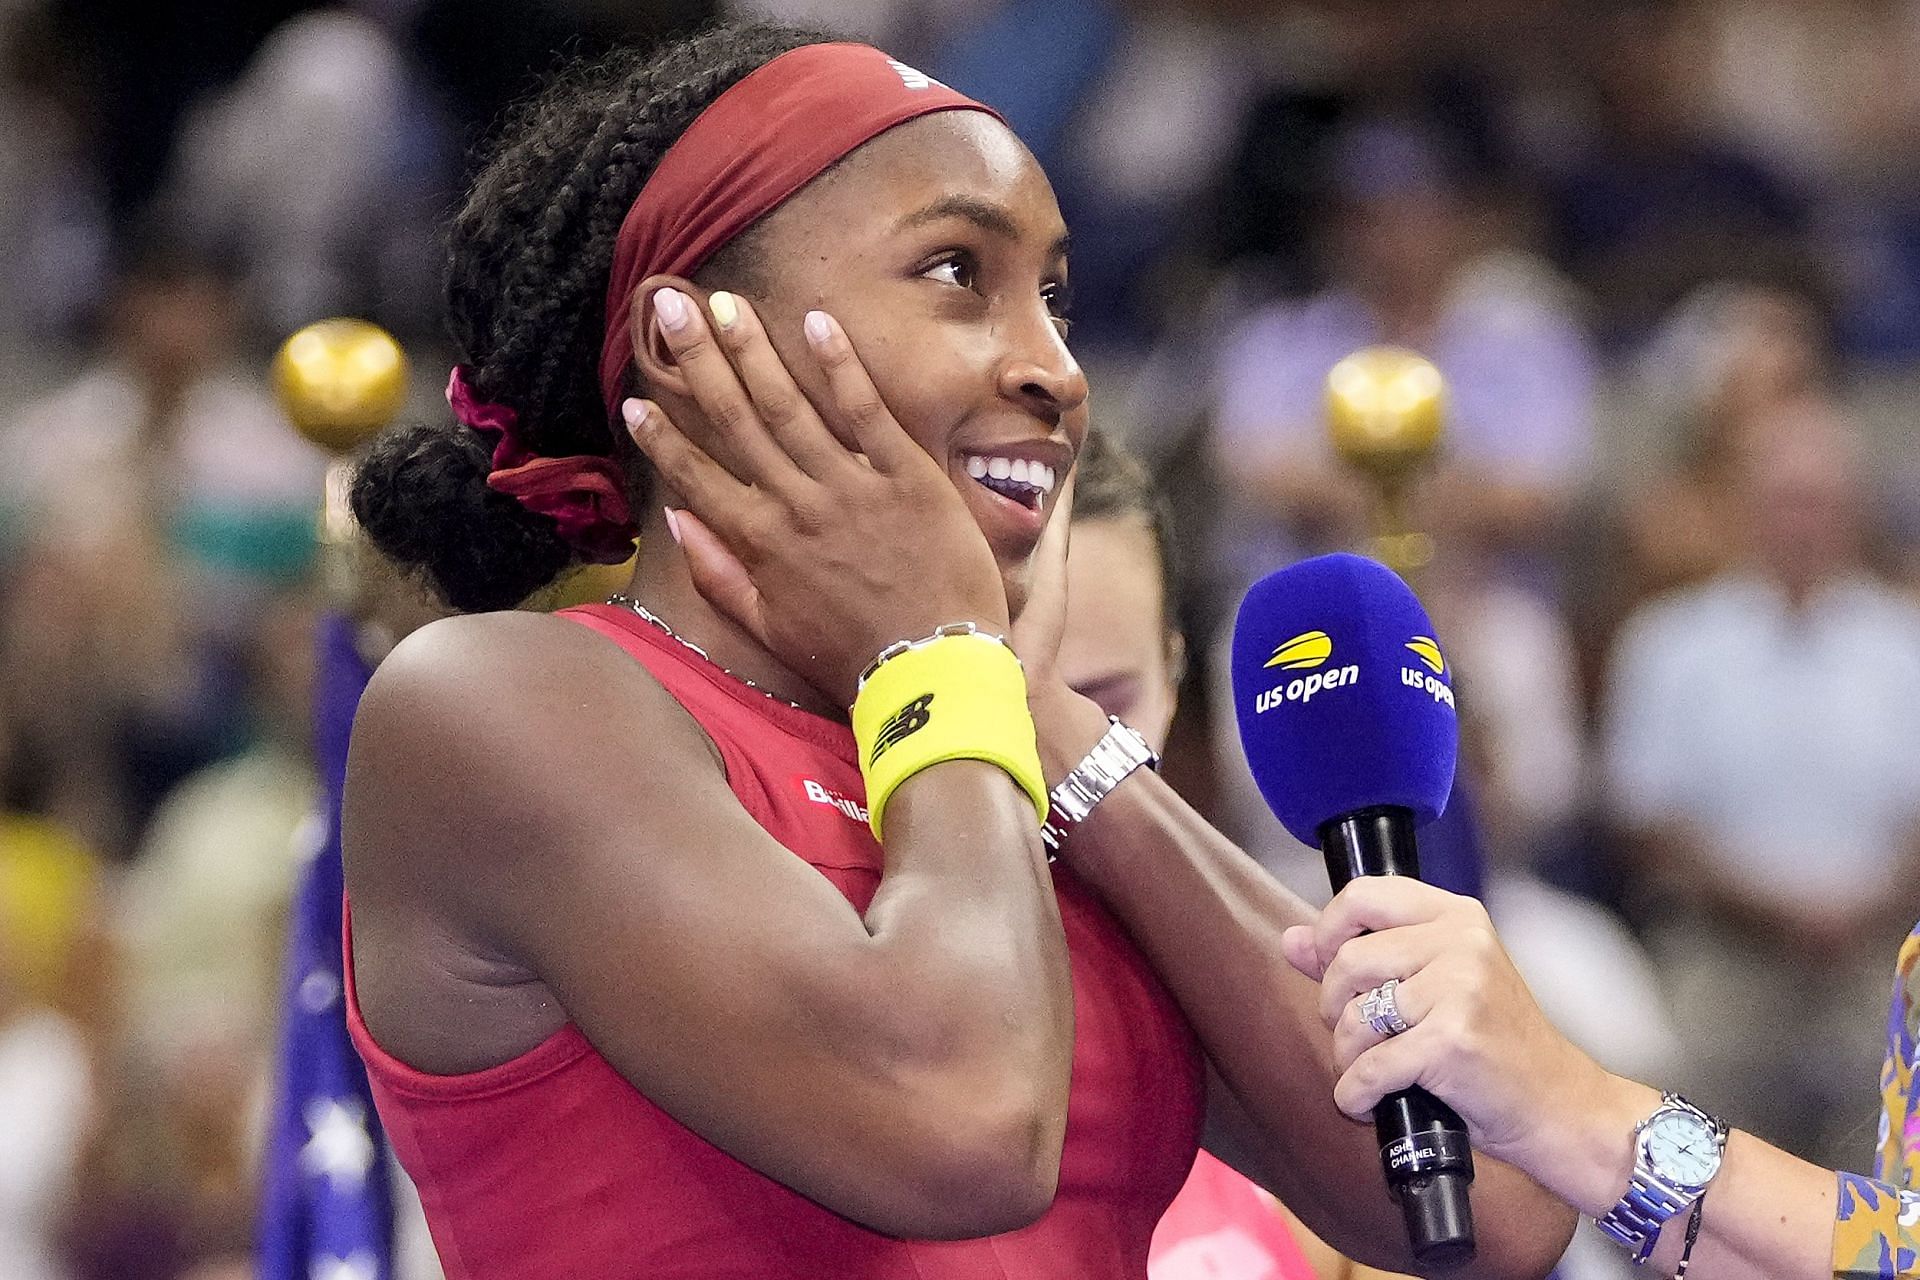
{"points": [[1019, 470]]}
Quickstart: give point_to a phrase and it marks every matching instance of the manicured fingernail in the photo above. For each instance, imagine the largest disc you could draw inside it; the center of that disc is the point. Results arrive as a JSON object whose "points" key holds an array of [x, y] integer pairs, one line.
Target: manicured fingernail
{"points": [[634, 410], [725, 308], [673, 524], [671, 306], [818, 328]]}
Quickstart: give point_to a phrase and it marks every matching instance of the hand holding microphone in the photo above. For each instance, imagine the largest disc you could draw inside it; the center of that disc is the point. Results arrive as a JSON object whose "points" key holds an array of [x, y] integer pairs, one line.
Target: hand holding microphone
{"points": [[1345, 706], [1346, 710], [1475, 1036]]}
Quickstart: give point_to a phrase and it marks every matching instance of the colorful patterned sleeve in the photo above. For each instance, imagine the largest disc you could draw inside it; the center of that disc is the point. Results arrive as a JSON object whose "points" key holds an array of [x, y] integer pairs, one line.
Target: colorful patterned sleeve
{"points": [[1876, 1233]]}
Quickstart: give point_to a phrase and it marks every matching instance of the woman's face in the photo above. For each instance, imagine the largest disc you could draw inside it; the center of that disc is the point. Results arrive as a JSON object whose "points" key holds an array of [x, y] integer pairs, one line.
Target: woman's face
{"points": [[1117, 648], [940, 249]]}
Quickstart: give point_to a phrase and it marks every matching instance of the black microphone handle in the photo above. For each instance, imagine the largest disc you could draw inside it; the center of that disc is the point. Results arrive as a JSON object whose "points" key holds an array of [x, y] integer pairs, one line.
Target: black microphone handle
{"points": [[1424, 1150]]}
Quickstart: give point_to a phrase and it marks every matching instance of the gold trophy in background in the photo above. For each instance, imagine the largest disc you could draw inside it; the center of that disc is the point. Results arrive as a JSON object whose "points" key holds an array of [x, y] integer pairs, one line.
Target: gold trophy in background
{"points": [[1386, 407], [341, 382]]}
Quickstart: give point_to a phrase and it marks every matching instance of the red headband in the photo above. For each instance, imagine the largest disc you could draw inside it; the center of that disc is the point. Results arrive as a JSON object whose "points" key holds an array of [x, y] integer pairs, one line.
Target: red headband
{"points": [[757, 144], [753, 147]]}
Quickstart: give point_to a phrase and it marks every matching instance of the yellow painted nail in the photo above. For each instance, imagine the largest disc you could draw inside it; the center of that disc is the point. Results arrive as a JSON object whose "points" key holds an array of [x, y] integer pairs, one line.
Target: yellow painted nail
{"points": [[725, 308]]}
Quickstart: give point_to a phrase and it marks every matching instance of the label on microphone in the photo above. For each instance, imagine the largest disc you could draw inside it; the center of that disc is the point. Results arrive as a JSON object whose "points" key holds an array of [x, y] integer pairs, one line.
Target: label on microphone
{"points": [[1429, 1151]]}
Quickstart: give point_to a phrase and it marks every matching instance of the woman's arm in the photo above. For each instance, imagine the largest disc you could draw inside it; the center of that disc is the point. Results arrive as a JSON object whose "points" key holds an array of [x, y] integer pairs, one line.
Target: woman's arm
{"points": [[1479, 1042], [1211, 921], [517, 784], [1767, 1214]]}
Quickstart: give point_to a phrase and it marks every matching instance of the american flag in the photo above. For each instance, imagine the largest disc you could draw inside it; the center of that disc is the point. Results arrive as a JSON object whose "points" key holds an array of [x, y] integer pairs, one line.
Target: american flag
{"points": [[327, 1212]]}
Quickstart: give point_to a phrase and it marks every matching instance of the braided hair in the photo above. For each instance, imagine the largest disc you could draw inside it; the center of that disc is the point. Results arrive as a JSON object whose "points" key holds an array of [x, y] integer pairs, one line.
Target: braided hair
{"points": [[528, 259]]}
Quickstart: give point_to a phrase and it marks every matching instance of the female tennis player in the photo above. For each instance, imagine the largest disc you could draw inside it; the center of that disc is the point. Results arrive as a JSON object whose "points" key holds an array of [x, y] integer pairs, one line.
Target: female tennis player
{"points": [[710, 931]]}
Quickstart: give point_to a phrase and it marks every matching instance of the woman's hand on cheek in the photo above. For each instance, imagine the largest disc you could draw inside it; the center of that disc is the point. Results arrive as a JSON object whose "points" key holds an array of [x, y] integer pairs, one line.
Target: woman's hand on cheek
{"points": [[1042, 622], [1067, 723], [1477, 1039], [823, 554]]}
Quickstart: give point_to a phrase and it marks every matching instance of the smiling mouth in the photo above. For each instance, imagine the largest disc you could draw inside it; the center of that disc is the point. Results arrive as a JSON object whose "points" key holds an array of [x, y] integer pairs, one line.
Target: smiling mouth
{"points": [[1015, 479]]}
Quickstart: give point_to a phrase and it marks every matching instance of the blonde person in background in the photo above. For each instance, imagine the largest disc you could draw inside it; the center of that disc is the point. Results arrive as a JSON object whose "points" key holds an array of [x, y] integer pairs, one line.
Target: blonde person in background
{"points": [[1123, 648]]}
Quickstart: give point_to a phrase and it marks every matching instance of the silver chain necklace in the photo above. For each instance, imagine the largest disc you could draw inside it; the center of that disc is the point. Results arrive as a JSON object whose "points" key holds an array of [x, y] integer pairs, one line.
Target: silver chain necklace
{"points": [[620, 601]]}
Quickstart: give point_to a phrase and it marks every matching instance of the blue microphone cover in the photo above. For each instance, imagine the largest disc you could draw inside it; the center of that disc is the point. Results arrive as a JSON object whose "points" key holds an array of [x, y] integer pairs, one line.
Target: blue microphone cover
{"points": [[1344, 699]]}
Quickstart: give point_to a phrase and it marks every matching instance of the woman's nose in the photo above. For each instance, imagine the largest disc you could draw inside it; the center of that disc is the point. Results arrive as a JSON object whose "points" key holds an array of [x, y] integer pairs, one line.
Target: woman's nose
{"points": [[1041, 373]]}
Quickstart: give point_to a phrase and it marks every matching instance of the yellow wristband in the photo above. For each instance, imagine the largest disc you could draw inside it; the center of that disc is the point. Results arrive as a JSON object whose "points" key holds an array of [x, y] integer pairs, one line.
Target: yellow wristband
{"points": [[956, 697]]}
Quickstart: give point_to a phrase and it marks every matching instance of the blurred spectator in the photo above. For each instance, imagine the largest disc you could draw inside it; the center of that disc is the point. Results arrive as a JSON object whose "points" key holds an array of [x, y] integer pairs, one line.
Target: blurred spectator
{"points": [[199, 921], [201, 914], [1771, 71], [143, 64], [1725, 362], [149, 503], [1649, 204], [48, 908], [1406, 271], [321, 168], [170, 427], [1760, 754], [53, 209], [46, 1099]]}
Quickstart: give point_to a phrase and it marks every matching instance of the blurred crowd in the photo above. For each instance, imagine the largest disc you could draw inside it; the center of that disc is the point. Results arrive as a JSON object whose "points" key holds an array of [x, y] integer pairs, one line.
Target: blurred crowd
{"points": [[1666, 254]]}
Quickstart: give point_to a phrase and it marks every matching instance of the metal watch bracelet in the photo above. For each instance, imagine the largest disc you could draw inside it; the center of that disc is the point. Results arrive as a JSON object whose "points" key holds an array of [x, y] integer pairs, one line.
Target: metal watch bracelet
{"points": [[1653, 1200], [1118, 753]]}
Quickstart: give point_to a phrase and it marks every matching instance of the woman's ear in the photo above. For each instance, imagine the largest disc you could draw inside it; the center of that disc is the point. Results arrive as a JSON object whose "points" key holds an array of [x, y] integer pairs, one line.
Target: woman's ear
{"points": [[659, 372]]}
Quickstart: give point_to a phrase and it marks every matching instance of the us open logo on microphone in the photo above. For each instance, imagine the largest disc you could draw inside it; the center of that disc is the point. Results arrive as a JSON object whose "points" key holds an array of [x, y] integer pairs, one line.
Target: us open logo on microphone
{"points": [[1309, 651], [1427, 650]]}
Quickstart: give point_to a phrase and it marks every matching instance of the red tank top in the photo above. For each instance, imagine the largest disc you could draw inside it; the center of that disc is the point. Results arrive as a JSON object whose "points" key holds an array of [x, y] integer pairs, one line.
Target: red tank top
{"points": [[554, 1166]]}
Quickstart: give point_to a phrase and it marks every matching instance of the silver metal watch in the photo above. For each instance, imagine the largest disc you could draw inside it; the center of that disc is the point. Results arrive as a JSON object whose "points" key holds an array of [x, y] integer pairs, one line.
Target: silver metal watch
{"points": [[1118, 753], [1677, 1151]]}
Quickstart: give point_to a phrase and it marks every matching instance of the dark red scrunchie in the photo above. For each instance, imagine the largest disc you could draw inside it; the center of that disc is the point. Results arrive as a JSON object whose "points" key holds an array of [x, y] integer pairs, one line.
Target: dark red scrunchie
{"points": [[584, 494]]}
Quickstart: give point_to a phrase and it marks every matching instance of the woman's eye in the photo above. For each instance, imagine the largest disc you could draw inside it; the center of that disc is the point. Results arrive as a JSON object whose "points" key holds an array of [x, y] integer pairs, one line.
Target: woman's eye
{"points": [[1059, 300], [957, 270]]}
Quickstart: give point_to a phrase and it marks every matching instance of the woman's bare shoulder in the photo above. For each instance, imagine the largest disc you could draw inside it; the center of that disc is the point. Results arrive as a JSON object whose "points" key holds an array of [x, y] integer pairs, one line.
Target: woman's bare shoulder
{"points": [[505, 721]]}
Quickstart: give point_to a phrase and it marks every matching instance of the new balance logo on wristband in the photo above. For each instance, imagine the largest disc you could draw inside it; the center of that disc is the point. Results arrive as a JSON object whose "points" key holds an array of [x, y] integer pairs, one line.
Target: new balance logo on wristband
{"points": [[902, 725]]}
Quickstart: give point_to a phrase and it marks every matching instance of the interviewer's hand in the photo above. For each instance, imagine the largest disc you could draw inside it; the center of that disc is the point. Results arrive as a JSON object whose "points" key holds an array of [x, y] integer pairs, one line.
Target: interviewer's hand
{"points": [[1478, 1041], [823, 554]]}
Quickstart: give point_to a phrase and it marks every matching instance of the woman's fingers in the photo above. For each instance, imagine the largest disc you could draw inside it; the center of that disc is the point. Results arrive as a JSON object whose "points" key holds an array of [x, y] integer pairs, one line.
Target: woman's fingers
{"points": [[740, 436], [789, 416], [1038, 631], [706, 486], [717, 573], [1364, 963], [1374, 903], [1388, 1067], [854, 406], [1353, 1035]]}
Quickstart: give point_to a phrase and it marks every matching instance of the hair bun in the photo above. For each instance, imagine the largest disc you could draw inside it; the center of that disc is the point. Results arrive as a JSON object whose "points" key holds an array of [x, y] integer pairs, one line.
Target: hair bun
{"points": [[421, 494]]}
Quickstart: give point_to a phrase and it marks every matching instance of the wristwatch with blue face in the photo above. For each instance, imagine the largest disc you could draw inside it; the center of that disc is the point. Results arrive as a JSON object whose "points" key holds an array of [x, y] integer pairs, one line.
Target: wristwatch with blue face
{"points": [[1677, 1151]]}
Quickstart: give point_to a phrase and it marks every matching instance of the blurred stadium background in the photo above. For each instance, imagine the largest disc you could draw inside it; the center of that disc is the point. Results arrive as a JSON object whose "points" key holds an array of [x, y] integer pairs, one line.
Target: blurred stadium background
{"points": [[1665, 252]]}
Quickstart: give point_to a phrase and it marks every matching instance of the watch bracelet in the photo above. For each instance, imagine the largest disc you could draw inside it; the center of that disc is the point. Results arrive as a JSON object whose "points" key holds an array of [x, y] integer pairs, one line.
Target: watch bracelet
{"points": [[1650, 1202], [1633, 1223], [1119, 752]]}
